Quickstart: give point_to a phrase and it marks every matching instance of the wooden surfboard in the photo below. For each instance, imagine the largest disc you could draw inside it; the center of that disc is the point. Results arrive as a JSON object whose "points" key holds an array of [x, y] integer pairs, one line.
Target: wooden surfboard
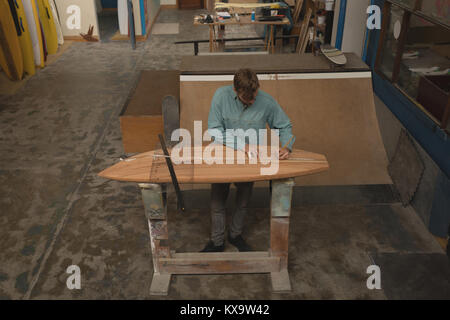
{"points": [[150, 167], [334, 55]]}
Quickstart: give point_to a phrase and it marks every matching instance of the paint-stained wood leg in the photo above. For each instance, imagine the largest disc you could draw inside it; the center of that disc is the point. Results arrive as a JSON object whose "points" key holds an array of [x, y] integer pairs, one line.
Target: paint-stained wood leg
{"points": [[279, 239], [156, 214], [160, 284], [280, 207], [280, 281], [281, 198]]}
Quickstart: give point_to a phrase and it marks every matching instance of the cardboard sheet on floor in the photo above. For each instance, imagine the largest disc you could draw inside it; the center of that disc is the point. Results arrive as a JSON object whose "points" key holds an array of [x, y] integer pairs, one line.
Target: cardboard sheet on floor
{"points": [[333, 113]]}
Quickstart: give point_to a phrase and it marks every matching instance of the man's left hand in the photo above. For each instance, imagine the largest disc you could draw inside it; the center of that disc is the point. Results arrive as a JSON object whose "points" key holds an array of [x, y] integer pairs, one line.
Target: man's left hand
{"points": [[283, 153]]}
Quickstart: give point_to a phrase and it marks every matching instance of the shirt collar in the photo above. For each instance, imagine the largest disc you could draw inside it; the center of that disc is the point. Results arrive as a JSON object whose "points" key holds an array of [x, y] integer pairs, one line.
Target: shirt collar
{"points": [[235, 97]]}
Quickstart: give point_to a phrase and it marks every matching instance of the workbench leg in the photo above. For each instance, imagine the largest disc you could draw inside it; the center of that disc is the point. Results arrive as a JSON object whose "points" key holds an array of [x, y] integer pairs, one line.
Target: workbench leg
{"points": [[266, 38], [155, 205], [278, 42], [220, 37], [280, 210], [269, 42], [272, 33], [211, 38]]}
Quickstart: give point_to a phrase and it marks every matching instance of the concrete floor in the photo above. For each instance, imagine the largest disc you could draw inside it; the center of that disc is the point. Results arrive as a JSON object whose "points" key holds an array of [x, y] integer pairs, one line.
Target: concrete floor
{"points": [[62, 128]]}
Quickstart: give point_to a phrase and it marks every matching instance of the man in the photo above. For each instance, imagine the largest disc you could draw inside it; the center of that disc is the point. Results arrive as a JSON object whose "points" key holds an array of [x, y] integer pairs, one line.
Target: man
{"points": [[241, 106]]}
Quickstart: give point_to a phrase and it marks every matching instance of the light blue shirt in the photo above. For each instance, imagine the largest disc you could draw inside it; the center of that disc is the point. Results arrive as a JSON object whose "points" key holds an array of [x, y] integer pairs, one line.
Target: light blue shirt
{"points": [[228, 112]]}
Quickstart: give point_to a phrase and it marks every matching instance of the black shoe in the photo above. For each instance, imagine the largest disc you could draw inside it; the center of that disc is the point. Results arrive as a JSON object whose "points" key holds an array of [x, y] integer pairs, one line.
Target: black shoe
{"points": [[210, 247], [239, 243]]}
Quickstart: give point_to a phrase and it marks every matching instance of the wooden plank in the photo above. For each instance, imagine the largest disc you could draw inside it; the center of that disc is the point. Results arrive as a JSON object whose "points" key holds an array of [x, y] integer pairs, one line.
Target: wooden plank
{"points": [[279, 239], [297, 10], [160, 284], [221, 255], [280, 281], [306, 38], [279, 235], [140, 133], [304, 31], [220, 263]]}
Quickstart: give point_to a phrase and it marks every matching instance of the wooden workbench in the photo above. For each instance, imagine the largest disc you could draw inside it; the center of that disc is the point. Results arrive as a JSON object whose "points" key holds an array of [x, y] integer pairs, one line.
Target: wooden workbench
{"points": [[243, 20], [152, 175], [167, 262]]}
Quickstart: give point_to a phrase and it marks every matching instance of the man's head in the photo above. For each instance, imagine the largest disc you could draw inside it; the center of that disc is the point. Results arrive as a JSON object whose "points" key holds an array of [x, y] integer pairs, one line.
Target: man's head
{"points": [[246, 85]]}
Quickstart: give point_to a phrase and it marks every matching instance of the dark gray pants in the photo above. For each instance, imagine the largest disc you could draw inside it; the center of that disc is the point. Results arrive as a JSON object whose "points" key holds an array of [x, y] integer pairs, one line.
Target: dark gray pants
{"points": [[219, 195]]}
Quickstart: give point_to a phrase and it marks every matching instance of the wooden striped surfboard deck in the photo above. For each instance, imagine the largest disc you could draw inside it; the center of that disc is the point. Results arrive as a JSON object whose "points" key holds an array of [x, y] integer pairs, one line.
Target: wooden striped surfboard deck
{"points": [[151, 167]]}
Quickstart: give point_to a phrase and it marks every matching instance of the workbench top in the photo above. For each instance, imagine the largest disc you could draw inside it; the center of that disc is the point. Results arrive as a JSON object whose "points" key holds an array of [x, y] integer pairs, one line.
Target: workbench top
{"points": [[273, 63]]}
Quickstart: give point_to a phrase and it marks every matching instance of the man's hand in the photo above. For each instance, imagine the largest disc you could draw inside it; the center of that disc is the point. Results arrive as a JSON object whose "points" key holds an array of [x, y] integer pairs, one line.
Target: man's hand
{"points": [[251, 151], [283, 153]]}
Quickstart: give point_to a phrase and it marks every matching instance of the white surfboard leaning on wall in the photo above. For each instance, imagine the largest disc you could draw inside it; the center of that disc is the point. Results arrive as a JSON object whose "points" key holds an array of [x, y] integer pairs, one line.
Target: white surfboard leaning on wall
{"points": [[30, 9], [122, 12], [57, 22]]}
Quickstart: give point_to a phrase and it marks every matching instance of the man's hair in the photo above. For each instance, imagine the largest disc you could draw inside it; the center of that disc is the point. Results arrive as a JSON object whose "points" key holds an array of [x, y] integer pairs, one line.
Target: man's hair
{"points": [[246, 83]]}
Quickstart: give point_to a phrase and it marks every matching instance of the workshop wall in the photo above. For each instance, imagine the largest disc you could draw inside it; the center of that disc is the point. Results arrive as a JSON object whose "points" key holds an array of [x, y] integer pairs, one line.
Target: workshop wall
{"points": [[355, 26], [88, 16]]}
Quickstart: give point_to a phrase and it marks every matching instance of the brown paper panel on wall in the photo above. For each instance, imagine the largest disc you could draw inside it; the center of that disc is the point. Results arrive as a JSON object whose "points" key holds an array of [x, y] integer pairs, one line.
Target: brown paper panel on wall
{"points": [[334, 117]]}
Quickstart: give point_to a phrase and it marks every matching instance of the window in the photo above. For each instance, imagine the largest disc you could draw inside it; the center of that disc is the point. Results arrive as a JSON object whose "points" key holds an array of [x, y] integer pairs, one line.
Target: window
{"points": [[414, 54]]}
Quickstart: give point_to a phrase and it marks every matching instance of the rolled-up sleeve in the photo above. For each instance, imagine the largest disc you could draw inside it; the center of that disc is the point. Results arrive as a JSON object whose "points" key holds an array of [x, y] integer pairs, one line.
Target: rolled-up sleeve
{"points": [[279, 120]]}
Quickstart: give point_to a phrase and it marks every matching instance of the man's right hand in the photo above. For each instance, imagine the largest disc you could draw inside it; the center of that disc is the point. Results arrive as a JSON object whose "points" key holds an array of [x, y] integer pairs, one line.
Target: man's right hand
{"points": [[251, 151]]}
